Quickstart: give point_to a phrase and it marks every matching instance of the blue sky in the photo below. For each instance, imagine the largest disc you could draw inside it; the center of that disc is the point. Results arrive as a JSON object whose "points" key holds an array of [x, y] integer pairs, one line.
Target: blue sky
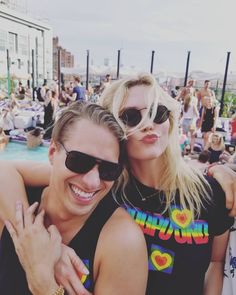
{"points": [[170, 27]]}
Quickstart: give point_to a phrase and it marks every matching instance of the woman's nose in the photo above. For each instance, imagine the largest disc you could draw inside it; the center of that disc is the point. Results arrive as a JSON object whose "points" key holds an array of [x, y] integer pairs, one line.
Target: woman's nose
{"points": [[147, 124]]}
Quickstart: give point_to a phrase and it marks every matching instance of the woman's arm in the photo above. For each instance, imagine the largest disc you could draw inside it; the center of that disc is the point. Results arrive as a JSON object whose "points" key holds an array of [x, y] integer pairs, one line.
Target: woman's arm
{"points": [[195, 110], [214, 275], [13, 177], [202, 117], [227, 179]]}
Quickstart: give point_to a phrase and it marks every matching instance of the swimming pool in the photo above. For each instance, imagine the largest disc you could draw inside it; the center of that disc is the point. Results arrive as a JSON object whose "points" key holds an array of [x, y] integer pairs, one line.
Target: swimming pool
{"points": [[19, 151]]}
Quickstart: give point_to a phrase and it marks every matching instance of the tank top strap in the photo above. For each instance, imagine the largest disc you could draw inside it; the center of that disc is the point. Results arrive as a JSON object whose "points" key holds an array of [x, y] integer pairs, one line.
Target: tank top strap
{"points": [[85, 241]]}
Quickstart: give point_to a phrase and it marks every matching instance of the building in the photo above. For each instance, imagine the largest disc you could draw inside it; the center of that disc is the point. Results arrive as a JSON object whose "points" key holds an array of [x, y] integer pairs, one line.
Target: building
{"points": [[28, 44], [18, 5], [106, 62], [66, 58]]}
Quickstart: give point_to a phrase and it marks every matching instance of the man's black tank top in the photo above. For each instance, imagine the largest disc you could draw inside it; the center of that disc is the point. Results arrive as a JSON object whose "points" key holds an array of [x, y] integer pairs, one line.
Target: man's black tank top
{"points": [[12, 276]]}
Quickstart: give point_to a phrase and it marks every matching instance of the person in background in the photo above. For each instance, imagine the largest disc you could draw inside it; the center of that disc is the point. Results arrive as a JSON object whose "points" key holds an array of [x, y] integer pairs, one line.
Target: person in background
{"points": [[184, 141], [208, 120], [215, 146], [229, 160], [4, 139], [78, 90], [205, 92], [64, 97], [34, 138], [174, 92], [106, 83], [233, 129], [20, 91], [7, 120], [96, 94], [55, 87], [42, 92], [189, 118], [51, 106], [188, 90], [77, 201]]}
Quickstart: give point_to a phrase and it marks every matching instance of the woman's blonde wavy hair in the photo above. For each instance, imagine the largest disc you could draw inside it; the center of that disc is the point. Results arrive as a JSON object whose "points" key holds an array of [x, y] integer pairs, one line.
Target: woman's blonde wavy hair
{"points": [[177, 175], [221, 143]]}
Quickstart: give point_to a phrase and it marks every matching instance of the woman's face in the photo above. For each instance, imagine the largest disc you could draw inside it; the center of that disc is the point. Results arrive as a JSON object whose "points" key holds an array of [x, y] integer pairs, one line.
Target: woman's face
{"points": [[215, 139], [151, 140], [208, 102], [77, 193]]}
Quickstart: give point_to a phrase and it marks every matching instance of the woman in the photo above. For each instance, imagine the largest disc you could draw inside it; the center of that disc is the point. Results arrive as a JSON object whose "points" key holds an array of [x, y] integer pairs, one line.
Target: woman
{"points": [[209, 116], [7, 120], [215, 146], [51, 106], [165, 196], [4, 139], [162, 194], [34, 138], [78, 203], [189, 117]]}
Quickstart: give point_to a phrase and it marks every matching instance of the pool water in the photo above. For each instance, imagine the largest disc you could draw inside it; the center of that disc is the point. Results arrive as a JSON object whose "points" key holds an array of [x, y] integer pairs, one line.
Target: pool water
{"points": [[19, 151]]}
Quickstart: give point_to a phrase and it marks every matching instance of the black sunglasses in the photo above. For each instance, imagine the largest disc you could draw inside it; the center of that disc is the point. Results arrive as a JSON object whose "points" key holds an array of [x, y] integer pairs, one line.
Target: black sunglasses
{"points": [[132, 116], [81, 163]]}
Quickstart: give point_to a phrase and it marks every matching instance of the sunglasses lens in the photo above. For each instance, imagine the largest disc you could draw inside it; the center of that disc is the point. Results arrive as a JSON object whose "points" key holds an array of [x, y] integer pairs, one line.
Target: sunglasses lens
{"points": [[162, 114], [131, 117], [109, 171], [82, 163], [79, 162]]}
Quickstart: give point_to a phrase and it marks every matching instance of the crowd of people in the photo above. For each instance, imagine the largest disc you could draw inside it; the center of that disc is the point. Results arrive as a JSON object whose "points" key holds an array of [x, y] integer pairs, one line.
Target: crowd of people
{"points": [[199, 119], [51, 98]]}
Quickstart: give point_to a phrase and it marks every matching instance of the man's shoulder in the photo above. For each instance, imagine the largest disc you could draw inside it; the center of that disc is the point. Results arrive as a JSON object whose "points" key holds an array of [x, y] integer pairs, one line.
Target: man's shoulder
{"points": [[121, 226], [76, 89]]}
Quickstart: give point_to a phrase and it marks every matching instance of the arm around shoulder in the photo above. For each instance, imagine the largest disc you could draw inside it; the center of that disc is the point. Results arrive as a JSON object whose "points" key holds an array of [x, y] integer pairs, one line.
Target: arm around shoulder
{"points": [[122, 257], [13, 177], [12, 190]]}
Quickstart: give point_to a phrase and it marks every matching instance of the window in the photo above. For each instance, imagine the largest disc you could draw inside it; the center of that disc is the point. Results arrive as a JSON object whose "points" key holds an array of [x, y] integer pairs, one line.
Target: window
{"points": [[23, 45], [13, 46], [3, 40], [19, 63]]}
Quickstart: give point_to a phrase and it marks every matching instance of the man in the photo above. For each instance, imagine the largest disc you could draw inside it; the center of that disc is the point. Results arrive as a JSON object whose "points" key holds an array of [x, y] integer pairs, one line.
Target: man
{"points": [[205, 92], [189, 89], [78, 90], [106, 82], [77, 201]]}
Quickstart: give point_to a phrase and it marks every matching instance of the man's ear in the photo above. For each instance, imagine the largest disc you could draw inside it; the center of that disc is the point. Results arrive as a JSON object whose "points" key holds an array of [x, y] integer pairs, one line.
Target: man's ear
{"points": [[51, 151]]}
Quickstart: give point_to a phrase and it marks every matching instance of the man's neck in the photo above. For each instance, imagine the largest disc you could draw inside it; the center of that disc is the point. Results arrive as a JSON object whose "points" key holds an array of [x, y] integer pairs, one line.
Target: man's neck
{"points": [[67, 224]]}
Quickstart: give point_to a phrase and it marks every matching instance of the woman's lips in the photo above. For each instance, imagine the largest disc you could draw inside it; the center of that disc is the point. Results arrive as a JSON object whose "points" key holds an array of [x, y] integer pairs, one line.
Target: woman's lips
{"points": [[150, 138]]}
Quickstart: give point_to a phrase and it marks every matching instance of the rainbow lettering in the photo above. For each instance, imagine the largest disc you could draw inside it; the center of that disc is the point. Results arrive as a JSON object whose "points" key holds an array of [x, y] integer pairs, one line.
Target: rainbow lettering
{"points": [[179, 224]]}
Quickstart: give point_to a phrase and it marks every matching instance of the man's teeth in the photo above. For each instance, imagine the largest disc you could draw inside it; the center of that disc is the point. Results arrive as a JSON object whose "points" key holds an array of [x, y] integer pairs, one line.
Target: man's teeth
{"points": [[81, 193]]}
